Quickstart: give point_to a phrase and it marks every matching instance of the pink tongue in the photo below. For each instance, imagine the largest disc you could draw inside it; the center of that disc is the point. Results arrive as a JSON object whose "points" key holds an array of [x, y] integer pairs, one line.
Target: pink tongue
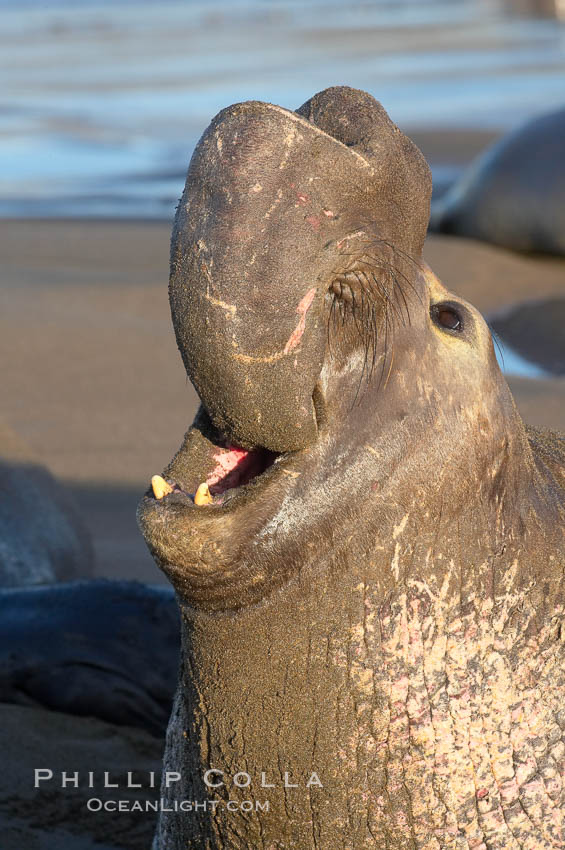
{"points": [[235, 467], [226, 461]]}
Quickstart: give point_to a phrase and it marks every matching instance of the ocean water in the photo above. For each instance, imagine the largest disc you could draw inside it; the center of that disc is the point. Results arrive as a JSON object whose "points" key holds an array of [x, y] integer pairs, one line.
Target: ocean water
{"points": [[103, 100]]}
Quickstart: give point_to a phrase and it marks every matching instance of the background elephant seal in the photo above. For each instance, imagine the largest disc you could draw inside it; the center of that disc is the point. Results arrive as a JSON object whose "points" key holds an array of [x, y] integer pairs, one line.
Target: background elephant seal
{"points": [[42, 539], [513, 195], [536, 330], [106, 649], [365, 540]]}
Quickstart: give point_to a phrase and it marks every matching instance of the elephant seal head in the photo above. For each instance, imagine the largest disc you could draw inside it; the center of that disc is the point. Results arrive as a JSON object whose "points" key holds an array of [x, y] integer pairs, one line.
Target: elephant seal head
{"points": [[337, 375]]}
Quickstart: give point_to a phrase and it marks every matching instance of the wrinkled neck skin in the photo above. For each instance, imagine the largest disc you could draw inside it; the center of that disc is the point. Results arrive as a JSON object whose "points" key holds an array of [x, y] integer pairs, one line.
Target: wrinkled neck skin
{"points": [[387, 616]]}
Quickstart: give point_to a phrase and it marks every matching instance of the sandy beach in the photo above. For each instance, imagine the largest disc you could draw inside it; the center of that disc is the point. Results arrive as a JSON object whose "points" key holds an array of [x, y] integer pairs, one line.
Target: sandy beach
{"points": [[96, 387]]}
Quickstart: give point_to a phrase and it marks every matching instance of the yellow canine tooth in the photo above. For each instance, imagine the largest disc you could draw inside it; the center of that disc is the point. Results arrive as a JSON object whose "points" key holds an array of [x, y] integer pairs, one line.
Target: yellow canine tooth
{"points": [[160, 487], [203, 495]]}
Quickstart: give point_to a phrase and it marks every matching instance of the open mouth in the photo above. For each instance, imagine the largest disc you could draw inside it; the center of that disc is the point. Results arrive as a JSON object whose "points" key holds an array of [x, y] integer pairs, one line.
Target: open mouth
{"points": [[206, 517], [211, 471], [234, 468]]}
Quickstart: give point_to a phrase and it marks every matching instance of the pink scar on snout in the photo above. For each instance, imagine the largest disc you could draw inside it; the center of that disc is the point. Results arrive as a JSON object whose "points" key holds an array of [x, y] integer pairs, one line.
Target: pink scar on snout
{"points": [[302, 309], [313, 221]]}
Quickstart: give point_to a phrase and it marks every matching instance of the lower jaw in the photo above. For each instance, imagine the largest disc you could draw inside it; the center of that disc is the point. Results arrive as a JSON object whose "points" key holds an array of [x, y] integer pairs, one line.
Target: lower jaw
{"points": [[208, 547]]}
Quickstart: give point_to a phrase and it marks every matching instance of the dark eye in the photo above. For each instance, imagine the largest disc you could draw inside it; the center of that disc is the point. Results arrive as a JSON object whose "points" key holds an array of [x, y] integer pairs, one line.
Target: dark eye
{"points": [[446, 316]]}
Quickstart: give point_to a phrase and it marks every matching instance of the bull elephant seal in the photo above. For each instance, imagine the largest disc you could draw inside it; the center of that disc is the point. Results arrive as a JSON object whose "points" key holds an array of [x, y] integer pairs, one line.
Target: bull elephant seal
{"points": [[363, 536], [513, 195], [536, 330], [70, 647]]}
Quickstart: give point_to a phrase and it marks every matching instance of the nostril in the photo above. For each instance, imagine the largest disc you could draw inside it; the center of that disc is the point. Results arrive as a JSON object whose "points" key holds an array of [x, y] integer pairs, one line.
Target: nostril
{"points": [[320, 411], [341, 289]]}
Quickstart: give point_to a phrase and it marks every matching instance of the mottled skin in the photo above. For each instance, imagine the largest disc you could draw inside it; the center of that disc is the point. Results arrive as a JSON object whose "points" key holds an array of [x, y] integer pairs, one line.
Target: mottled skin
{"points": [[383, 605]]}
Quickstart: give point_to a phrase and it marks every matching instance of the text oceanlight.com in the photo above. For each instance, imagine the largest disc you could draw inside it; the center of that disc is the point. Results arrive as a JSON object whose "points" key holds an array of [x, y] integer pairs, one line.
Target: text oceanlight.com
{"points": [[95, 804]]}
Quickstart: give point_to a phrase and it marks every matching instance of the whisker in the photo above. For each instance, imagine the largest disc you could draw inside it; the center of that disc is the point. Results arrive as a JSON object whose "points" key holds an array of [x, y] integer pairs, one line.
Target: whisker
{"points": [[390, 367], [330, 323], [399, 289], [379, 302], [385, 348], [498, 344], [382, 291], [402, 275]]}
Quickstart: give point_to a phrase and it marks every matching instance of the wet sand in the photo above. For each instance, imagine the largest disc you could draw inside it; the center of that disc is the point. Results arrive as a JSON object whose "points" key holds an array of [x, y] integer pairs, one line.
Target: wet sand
{"points": [[95, 384]]}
